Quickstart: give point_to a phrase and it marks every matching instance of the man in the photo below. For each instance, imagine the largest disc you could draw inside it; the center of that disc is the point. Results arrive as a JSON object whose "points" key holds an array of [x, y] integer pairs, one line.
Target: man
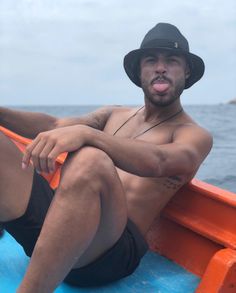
{"points": [[123, 166]]}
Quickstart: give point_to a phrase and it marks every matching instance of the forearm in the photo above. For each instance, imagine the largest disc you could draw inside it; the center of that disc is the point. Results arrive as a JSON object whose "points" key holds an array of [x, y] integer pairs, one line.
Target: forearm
{"points": [[27, 124], [136, 157], [30, 124]]}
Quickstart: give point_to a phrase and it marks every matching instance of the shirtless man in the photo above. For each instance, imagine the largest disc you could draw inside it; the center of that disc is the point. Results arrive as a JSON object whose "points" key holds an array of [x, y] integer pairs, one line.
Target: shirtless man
{"points": [[124, 165]]}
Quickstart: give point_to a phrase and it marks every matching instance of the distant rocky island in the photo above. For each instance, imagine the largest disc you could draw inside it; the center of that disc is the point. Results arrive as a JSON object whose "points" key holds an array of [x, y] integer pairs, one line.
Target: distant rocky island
{"points": [[232, 101]]}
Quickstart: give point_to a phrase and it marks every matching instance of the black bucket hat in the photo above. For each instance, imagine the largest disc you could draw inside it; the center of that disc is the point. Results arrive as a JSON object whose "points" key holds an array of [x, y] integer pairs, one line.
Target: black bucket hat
{"points": [[164, 36]]}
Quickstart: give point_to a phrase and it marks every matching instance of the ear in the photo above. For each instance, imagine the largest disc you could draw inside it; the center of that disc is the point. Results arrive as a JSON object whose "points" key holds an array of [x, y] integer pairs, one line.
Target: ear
{"points": [[187, 71], [138, 69]]}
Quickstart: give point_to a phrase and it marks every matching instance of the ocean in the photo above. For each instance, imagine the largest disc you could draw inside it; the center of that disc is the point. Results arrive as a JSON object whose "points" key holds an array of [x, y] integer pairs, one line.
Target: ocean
{"points": [[219, 167]]}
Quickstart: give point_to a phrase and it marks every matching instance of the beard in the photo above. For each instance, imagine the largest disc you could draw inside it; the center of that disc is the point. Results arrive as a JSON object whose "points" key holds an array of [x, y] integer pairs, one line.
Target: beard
{"points": [[165, 99]]}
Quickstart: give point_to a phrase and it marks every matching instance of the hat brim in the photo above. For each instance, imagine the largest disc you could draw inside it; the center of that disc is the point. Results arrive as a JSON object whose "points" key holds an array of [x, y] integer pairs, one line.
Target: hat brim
{"points": [[132, 60]]}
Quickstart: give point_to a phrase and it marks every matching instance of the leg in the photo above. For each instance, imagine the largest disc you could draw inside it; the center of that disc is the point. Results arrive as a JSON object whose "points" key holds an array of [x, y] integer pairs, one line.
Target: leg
{"points": [[15, 184], [87, 216]]}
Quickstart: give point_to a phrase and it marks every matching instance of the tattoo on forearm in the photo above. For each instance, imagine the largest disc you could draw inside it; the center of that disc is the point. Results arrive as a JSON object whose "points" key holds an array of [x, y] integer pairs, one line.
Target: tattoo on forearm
{"points": [[173, 182]]}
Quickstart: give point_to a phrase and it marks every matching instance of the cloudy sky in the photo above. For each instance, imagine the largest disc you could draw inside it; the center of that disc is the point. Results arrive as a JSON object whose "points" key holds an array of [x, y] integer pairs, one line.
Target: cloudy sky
{"points": [[71, 51]]}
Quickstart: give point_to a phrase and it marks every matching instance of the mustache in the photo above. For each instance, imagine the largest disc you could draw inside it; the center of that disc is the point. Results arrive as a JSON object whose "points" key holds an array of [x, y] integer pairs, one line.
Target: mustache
{"points": [[161, 78]]}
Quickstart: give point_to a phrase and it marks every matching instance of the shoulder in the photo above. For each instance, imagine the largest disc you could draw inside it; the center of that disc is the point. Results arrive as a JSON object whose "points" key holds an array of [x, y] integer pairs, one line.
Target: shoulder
{"points": [[198, 139], [109, 110], [119, 115], [122, 112], [192, 129], [117, 109]]}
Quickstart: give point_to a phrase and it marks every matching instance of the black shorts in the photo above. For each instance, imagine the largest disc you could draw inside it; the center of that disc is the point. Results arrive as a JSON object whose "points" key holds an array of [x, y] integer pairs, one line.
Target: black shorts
{"points": [[119, 261]]}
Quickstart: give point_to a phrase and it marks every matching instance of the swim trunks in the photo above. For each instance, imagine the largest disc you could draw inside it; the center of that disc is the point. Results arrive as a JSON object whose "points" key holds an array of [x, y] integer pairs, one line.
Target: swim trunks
{"points": [[119, 261], [26, 229]]}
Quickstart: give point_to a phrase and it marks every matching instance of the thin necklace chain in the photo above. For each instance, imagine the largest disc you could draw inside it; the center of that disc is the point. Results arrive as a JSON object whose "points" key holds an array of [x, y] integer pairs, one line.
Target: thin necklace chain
{"points": [[146, 130], [128, 120]]}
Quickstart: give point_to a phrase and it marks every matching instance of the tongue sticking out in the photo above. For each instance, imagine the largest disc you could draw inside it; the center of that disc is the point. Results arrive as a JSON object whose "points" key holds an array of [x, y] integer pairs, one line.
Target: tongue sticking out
{"points": [[161, 87]]}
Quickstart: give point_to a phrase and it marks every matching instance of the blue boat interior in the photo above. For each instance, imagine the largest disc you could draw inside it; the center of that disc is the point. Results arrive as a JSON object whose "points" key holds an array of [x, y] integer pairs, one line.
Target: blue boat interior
{"points": [[155, 274]]}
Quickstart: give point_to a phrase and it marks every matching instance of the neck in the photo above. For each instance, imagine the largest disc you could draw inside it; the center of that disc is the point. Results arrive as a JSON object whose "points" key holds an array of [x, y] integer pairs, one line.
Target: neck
{"points": [[154, 113]]}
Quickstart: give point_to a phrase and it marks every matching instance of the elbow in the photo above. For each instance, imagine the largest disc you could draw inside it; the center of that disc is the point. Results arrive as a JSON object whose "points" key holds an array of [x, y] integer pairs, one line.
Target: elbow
{"points": [[154, 165], [153, 169], [157, 170], [158, 164]]}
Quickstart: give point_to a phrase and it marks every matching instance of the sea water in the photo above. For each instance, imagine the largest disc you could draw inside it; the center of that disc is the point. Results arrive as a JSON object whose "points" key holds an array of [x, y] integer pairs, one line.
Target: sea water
{"points": [[219, 168]]}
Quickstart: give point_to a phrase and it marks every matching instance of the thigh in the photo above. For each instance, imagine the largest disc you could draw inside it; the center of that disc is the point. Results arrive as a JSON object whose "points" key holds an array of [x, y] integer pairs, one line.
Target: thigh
{"points": [[15, 184], [98, 171]]}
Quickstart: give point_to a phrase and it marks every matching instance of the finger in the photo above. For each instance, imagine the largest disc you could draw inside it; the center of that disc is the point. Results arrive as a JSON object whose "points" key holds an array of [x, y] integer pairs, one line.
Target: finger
{"points": [[36, 155], [52, 158], [43, 157], [28, 152]]}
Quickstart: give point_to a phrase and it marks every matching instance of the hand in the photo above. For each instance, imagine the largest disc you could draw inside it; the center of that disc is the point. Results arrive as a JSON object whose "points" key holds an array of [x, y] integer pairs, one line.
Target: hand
{"points": [[45, 148]]}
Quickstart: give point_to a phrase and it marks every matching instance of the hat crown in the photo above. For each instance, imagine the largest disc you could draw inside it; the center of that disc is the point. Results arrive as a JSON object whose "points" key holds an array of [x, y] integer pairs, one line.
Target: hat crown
{"points": [[165, 35]]}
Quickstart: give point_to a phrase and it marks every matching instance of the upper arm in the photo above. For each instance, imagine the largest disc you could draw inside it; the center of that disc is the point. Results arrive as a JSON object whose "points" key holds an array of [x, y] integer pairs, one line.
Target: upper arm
{"points": [[184, 155], [96, 119]]}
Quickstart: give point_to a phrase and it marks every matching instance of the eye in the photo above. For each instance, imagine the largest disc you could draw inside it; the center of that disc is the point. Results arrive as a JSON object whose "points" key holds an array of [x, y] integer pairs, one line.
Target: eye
{"points": [[173, 59], [149, 60]]}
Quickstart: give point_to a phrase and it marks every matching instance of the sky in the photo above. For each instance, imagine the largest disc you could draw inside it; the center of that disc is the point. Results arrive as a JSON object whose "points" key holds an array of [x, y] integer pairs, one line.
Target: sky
{"points": [[70, 52]]}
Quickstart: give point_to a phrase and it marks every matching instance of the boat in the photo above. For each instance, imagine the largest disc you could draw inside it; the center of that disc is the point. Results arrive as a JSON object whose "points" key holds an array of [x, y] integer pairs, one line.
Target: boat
{"points": [[192, 244]]}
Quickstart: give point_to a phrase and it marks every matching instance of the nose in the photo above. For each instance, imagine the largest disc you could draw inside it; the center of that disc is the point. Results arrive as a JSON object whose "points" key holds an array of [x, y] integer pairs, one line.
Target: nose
{"points": [[160, 67]]}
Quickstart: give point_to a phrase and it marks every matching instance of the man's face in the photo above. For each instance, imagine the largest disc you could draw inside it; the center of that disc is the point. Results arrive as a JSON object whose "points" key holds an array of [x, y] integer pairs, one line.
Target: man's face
{"points": [[162, 76]]}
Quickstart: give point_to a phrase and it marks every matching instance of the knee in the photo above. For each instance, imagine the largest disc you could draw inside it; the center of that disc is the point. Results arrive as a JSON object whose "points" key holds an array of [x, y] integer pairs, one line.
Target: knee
{"points": [[88, 166], [94, 159]]}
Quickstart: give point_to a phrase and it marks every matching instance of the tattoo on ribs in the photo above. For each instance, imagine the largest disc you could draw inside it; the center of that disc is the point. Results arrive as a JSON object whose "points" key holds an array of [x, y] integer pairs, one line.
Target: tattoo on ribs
{"points": [[173, 182]]}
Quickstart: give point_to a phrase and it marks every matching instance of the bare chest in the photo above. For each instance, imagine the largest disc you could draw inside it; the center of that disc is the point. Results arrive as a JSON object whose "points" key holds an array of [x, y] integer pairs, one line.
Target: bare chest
{"points": [[125, 126]]}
